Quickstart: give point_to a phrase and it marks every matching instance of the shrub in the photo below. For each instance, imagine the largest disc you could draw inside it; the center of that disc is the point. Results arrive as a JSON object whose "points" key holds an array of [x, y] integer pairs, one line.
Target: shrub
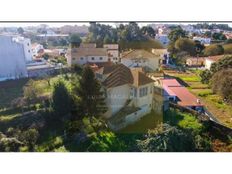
{"points": [[227, 49], [213, 50]]}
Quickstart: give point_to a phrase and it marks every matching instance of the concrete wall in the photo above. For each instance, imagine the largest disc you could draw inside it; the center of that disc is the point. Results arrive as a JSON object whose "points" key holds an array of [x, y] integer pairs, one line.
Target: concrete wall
{"points": [[12, 59]]}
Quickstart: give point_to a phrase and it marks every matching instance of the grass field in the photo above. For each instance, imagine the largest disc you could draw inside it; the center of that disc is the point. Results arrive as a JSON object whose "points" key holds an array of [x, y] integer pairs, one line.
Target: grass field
{"points": [[11, 90], [213, 102], [149, 121]]}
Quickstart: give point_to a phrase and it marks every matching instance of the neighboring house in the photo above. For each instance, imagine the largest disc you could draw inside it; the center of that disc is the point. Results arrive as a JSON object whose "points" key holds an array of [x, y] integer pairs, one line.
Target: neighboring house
{"points": [[210, 60], [163, 39], [37, 50], [125, 87], [89, 53], [55, 52], [195, 61], [175, 92], [203, 40], [141, 58], [163, 54], [26, 42], [112, 50], [12, 58]]}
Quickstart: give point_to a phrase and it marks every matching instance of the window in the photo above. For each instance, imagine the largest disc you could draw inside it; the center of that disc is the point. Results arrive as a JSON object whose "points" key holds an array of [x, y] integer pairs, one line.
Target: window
{"points": [[27, 44], [131, 92], [143, 92], [92, 58], [82, 58], [135, 92], [29, 51], [73, 58], [100, 58]]}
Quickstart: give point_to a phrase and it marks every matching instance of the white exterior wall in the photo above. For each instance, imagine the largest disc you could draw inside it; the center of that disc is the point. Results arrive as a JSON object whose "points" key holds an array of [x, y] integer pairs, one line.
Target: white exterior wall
{"points": [[80, 61], [26, 46], [12, 59], [27, 50], [115, 54], [145, 100], [116, 98], [97, 59], [152, 63], [208, 64]]}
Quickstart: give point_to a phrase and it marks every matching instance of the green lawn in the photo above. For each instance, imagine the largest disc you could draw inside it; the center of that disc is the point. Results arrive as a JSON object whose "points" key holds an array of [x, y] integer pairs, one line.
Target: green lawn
{"points": [[182, 120], [148, 121]]}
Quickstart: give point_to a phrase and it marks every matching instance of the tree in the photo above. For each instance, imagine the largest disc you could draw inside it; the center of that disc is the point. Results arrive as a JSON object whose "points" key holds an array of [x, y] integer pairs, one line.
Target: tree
{"points": [[20, 30], [176, 33], [222, 82], [219, 36], [61, 100], [167, 139], [106, 142], [186, 45], [100, 34], [31, 91], [205, 76], [199, 47], [227, 49], [91, 98], [223, 63], [75, 40], [46, 56], [148, 31], [208, 34], [213, 50], [29, 138]]}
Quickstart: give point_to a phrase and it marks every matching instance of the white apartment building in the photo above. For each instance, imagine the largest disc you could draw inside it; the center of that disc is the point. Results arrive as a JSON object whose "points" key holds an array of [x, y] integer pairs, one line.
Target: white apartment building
{"points": [[12, 59], [26, 42]]}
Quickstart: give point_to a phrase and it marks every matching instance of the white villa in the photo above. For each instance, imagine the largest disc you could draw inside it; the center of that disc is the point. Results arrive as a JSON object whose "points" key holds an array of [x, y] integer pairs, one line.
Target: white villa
{"points": [[141, 58], [126, 88], [12, 59], [89, 53]]}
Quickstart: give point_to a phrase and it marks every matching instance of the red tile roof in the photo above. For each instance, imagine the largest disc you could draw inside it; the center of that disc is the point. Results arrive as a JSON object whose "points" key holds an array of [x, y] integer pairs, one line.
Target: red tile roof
{"points": [[119, 75], [170, 82], [173, 88], [138, 54], [186, 98]]}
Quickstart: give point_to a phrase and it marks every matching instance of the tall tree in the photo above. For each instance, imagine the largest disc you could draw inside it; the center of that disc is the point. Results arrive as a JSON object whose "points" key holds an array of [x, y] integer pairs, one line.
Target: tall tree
{"points": [[148, 31], [186, 45], [61, 100], [176, 33], [213, 50], [92, 100], [20, 30], [75, 40]]}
